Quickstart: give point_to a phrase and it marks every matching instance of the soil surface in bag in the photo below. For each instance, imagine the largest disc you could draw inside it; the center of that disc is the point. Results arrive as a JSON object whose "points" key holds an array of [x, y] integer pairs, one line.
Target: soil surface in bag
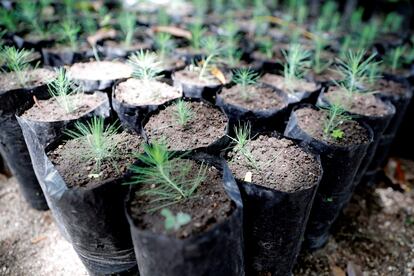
{"points": [[368, 109], [277, 185], [263, 106], [210, 244], [194, 87], [340, 159], [14, 98], [99, 75], [206, 128], [113, 49], [134, 99], [48, 119], [301, 89]]}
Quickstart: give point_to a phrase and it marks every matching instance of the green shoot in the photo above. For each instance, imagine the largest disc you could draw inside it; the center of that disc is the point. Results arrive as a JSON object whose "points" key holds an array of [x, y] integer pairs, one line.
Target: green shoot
{"points": [[88, 21], [218, 6], [242, 139], [174, 222], [355, 70], [368, 35], [17, 61], [335, 116], [374, 73], [68, 32], [266, 47], [296, 64], [211, 47], [164, 179], [319, 65], [392, 23], [245, 77], [394, 58], [163, 18], [183, 113], [146, 64], [356, 20], [30, 13], [127, 24], [231, 39], [9, 20], [97, 140], [164, 44], [61, 89], [197, 32], [201, 8], [346, 45]]}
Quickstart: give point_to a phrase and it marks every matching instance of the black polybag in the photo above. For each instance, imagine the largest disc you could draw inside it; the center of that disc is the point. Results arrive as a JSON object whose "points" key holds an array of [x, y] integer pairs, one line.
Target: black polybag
{"points": [[378, 124], [49, 132], [57, 58], [274, 224], [340, 165], [401, 103], [260, 120], [205, 92], [92, 219], [216, 252], [13, 147]]}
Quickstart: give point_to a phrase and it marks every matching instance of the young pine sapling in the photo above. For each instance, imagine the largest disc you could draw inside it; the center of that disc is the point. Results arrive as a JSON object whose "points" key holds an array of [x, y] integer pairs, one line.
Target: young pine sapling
{"points": [[68, 32], [297, 62], [17, 61], [335, 117], [146, 66], [64, 91], [395, 58], [127, 24], [165, 180], [98, 140], [183, 113], [197, 33], [164, 45], [245, 78]]}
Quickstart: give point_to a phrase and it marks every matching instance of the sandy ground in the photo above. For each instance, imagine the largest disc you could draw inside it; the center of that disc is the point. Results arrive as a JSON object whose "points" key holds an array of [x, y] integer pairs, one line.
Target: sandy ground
{"points": [[375, 236]]}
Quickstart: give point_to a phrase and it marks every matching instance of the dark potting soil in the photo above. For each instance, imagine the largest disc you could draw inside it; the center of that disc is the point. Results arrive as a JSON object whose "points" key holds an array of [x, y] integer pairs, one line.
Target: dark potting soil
{"points": [[361, 104], [191, 77], [36, 77], [50, 111], [210, 206], [205, 127], [100, 70], [138, 92], [282, 165], [389, 87], [77, 171], [312, 122], [298, 85], [259, 97]]}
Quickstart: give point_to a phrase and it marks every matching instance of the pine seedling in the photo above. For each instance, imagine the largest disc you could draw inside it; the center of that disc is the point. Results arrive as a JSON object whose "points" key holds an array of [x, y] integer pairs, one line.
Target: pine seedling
{"points": [[355, 70], [392, 23], [346, 45], [356, 19], [297, 62], [335, 116], [394, 58], [163, 18], [241, 140], [165, 180], [218, 6], [97, 140], [211, 47], [69, 31], [374, 73], [183, 113], [30, 13], [245, 78], [127, 24], [17, 61], [164, 44], [197, 32], [174, 222], [62, 89], [266, 47], [9, 20], [319, 65], [368, 35], [88, 22], [146, 65], [201, 8]]}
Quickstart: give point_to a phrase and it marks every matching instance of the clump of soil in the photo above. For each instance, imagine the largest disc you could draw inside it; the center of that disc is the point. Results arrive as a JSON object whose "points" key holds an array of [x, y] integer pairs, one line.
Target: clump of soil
{"points": [[297, 86], [206, 126], [100, 70], [282, 165], [313, 122], [50, 110], [361, 104], [138, 92], [77, 171], [191, 77], [210, 206], [260, 97], [389, 87], [36, 77]]}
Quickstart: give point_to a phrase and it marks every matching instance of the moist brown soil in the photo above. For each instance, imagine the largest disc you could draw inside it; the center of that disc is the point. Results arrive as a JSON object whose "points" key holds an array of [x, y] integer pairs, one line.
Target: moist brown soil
{"points": [[50, 111], [77, 171], [137, 92], [360, 104], [260, 97], [206, 126], [191, 77], [327, 75], [312, 122], [298, 86], [37, 77], [283, 166], [389, 87], [100, 70], [210, 206]]}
